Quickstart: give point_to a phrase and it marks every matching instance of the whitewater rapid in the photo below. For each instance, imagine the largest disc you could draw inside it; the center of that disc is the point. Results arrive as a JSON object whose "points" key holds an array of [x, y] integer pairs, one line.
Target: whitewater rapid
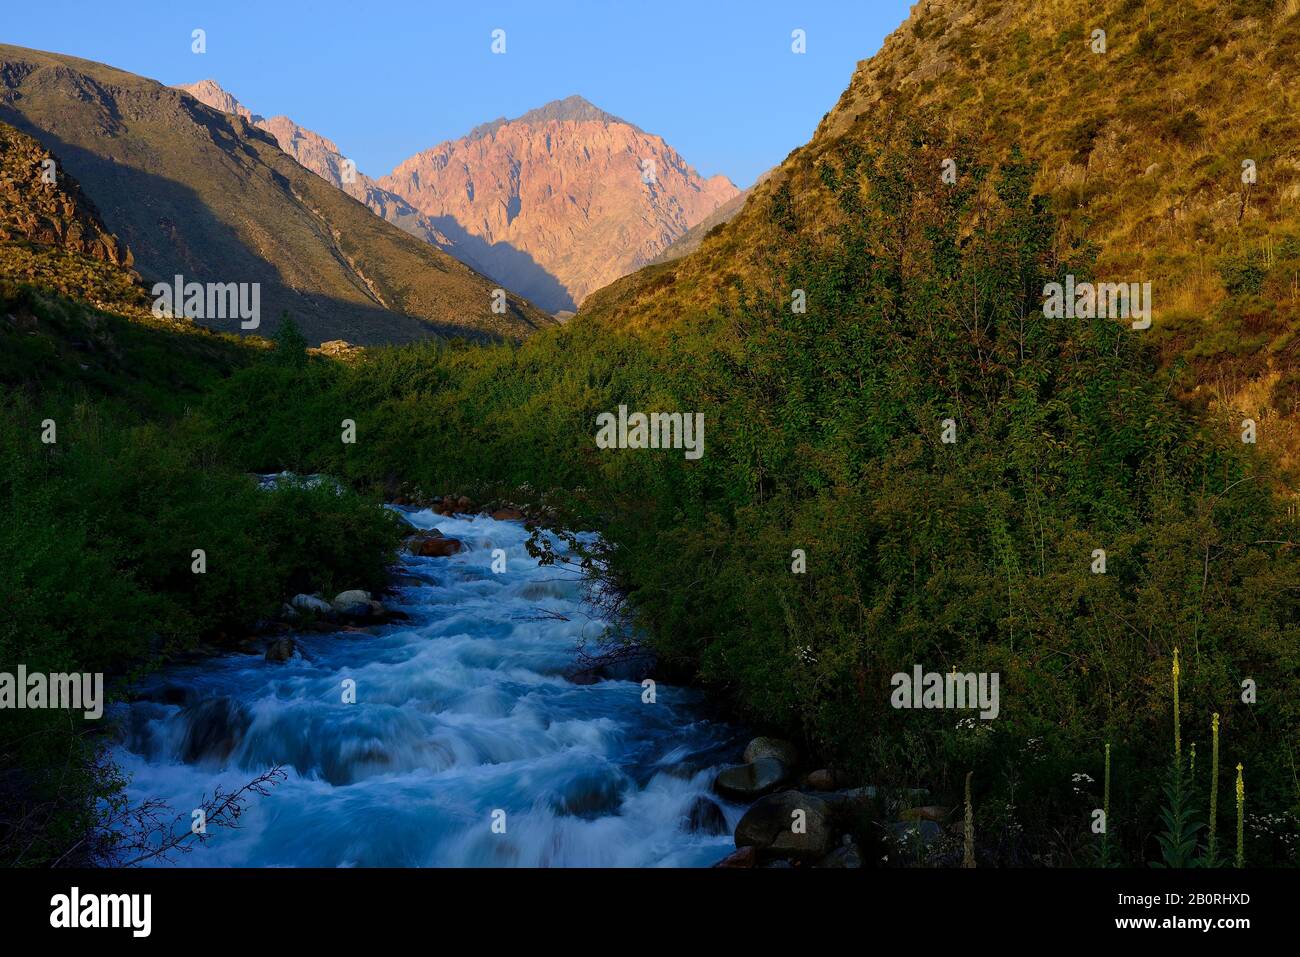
{"points": [[461, 712]]}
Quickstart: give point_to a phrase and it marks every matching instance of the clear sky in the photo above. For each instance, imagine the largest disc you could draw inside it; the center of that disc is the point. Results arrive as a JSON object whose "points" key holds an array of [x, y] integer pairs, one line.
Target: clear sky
{"points": [[387, 79]]}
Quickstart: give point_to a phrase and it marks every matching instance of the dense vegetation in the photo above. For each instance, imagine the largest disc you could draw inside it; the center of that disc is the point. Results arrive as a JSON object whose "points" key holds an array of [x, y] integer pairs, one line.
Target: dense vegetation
{"points": [[823, 433], [96, 547]]}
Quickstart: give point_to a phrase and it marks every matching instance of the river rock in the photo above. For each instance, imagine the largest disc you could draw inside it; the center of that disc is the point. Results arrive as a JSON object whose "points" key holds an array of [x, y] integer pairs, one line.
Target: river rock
{"points": [[825, 779], [590, 794], [745, 782], [213, 728], [769, 825], [282, 649], [508, 514], [433, 546], [357, 605], [705, 817], [743, 857], [311, 603], [346, 600], [173, 694], [783, 751]]}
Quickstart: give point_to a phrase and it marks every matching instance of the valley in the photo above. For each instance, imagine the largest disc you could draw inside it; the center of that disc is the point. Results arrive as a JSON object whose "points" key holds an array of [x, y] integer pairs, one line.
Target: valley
{"points": [[1003, 356]]}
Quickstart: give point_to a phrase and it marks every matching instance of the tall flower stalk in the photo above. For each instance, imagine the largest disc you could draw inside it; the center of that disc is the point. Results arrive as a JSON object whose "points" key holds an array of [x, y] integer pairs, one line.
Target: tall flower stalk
{"points": [[1241, 818], [1105, 790], [969, 860], [1178, 740], [1214, 786]]}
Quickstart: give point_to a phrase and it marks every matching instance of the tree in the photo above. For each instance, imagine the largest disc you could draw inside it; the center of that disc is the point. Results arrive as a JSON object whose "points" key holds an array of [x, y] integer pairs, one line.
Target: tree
{"points": [[290, 343]]}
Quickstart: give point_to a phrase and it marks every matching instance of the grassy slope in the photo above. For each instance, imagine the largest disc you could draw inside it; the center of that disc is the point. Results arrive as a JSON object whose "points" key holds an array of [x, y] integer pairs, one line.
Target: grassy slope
{"points": [[1140, 150]]}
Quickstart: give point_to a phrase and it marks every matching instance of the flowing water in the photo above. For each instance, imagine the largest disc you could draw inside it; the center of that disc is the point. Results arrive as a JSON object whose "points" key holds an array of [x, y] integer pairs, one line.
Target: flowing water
{"points": [[461, 712]]}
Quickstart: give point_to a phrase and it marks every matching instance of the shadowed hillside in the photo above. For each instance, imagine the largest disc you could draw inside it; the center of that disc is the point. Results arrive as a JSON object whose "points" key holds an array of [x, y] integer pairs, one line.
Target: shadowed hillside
{"points": [[203, 194]]}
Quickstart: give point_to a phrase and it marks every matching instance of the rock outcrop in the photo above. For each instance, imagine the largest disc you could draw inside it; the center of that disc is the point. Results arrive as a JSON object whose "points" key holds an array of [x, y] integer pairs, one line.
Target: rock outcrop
{"points": [[44, 205]]}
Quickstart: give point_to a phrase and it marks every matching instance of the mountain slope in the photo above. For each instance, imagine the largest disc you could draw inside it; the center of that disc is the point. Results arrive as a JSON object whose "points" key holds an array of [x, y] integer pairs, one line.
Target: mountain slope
{"points": [[689, 241], [323, 157], [559, 201], [1140, 149], [205, 195]]}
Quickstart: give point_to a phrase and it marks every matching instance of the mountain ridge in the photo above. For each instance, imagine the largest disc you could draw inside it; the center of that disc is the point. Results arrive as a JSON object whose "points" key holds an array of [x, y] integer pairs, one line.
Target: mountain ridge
{"points": [[573, 108], [570, 251], [207, 195]]}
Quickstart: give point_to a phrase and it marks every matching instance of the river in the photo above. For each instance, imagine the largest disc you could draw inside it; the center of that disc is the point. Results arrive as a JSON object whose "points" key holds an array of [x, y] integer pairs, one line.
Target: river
{"points": [[463, 716]]}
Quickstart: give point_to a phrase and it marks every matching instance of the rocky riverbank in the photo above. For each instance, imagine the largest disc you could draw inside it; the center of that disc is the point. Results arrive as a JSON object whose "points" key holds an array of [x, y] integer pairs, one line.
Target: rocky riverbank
{"points": [[820, 818]]}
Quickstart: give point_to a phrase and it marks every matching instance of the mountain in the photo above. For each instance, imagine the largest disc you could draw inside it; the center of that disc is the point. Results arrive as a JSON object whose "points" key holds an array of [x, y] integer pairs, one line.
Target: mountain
{"points": [[492, 199], [205, 195], [1146, 151], [560, 201], [326, 160]]}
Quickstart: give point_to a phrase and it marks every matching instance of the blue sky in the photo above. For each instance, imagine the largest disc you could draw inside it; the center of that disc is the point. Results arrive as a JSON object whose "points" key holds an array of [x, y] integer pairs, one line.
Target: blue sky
{"points": [[386, 79]]}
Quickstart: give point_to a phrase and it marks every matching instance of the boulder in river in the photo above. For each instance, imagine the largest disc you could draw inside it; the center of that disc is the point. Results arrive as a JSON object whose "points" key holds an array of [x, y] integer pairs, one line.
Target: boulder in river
{"points": [[590, 794], [746, 782], [786, 825], [705, 817], [508, 514], [213, 729], [354, 602], [357, 605], [434, 545], [282, 649], [783, 751]]}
